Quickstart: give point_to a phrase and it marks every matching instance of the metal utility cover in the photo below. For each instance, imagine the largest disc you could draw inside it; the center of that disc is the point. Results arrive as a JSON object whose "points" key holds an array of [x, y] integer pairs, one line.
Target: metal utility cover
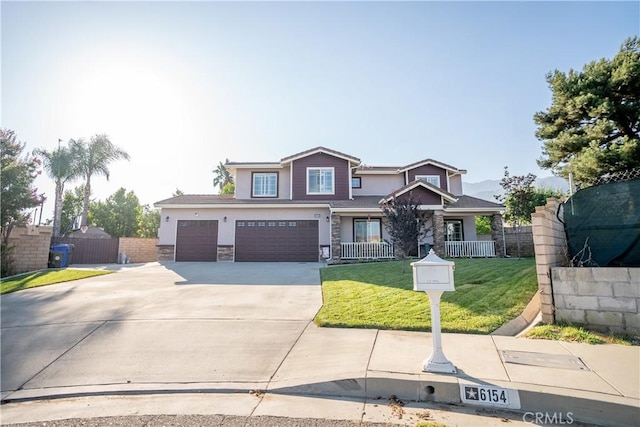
{"points": [[562, 361]]}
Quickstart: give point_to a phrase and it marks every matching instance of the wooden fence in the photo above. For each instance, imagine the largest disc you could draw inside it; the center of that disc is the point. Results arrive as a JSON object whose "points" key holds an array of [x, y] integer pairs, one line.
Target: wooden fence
{"points": [[92, 251]]}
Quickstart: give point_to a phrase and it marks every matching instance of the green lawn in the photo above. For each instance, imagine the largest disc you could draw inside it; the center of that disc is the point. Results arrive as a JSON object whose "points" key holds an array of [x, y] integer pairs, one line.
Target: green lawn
{"points": [[489, 292], [44, 278], [574, 333]]}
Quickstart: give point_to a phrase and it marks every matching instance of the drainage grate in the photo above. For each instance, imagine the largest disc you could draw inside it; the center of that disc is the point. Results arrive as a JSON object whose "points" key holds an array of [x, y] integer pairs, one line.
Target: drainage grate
{"points": [[561, 361]]}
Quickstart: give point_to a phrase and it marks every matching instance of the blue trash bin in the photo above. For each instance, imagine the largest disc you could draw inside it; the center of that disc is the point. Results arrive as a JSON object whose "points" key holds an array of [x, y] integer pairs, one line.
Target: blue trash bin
{"points": [[66, 250]]}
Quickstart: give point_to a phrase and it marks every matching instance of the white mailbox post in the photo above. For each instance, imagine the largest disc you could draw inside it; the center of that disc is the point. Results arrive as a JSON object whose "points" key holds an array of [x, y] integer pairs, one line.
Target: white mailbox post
{"points": [[434, 275]]}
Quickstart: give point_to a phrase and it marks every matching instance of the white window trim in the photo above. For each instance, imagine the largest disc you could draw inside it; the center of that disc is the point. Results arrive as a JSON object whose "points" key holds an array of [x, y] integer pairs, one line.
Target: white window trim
{"points": [[426, 177], [253, 185], [333, 181]]}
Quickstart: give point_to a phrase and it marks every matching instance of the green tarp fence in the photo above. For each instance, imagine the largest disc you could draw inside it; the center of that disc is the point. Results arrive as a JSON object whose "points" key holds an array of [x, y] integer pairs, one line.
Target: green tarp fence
{"points": [[602, 224]]}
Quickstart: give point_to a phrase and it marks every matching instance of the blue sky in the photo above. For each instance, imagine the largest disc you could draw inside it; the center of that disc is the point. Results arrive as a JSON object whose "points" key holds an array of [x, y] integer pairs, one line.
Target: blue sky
{"points": [[183, 85]]}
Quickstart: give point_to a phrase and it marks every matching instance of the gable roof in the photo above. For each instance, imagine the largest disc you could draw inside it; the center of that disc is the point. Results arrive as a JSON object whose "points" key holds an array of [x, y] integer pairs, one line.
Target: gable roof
{"points": [[434, 163], [324, 150], [419, 183]]}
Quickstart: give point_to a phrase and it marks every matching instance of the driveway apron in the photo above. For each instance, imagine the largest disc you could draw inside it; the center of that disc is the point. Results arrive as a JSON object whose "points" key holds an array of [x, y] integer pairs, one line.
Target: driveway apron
{"points": [[157, 325]]}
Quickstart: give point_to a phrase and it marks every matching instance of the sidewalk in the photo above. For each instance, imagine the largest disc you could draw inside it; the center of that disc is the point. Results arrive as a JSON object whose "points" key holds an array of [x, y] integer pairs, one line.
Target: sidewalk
{"points": [[351, 374]]}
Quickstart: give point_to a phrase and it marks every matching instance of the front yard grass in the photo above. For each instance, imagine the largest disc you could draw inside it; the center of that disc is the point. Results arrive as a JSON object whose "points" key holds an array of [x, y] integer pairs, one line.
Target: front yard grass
{"points": [[44, 278], [489, 293], [572, 333]]}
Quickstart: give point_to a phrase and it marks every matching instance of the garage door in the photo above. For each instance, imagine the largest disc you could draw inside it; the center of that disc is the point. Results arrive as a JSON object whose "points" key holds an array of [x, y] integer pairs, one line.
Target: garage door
{"points": [[197, 240], [277, 241]]}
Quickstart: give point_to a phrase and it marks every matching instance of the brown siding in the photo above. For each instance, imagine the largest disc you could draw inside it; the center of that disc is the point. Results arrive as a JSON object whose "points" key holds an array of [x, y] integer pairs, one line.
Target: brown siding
{"points": [[320, 160], [423, 196], [429, 170]]}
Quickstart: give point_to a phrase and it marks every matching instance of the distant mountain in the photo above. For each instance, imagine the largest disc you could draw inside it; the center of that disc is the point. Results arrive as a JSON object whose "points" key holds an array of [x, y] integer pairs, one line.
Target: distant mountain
{"points": [[487, 189]]}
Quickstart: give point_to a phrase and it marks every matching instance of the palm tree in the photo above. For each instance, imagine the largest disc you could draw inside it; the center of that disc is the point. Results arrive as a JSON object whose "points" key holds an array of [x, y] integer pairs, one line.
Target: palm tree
{"points": [[60, 165], [222, 176], [94, 158]]}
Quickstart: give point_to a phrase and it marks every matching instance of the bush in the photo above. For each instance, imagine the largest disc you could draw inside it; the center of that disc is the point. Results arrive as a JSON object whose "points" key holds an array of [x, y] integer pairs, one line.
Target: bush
{"points": [[8, 263]]}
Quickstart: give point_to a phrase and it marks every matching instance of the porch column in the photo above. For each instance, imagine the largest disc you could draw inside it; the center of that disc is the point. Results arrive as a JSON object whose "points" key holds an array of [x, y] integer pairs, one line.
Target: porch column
{"points": [[336, 251], [497, 234], [438, 234]]}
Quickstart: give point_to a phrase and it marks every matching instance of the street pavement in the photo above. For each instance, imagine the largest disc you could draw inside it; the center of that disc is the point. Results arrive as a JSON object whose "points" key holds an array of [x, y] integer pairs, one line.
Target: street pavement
{"points": [[162, 344]]}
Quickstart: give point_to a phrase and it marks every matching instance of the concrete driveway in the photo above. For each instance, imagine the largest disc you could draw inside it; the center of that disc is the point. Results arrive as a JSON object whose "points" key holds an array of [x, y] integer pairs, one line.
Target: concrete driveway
{"points": [[157, 324]]}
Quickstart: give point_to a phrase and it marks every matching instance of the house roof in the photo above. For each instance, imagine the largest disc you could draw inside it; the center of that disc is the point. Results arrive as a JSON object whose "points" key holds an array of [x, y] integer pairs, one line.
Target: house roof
{"points": [[420, 183], [315, 150], [473, 203], [367, 169], [254, 165], [212, 200], [431, 162]]}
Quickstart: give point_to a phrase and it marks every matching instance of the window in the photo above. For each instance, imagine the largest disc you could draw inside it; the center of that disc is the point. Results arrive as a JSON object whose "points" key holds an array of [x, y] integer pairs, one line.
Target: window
{"points": [[356, 182], [265, 184], [453, 231], [366, 230], [320, 181], [431, 179]]}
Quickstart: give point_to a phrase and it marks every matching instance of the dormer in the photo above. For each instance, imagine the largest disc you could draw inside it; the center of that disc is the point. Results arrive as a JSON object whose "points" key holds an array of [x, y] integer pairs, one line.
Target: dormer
{"points": [[438, 174]]}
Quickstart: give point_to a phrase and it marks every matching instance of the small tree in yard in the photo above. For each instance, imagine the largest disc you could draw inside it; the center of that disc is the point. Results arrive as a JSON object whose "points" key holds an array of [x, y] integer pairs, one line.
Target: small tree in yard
{"points": [[18, 194], [518, 198], [406, 224]]}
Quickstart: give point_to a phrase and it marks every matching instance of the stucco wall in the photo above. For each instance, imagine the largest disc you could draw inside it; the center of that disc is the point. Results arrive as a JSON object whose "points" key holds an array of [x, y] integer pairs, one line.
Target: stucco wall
{"points": [[243, 182], [31, 250], [378, 185], [455, 185], [226, 229], [602, 298]]}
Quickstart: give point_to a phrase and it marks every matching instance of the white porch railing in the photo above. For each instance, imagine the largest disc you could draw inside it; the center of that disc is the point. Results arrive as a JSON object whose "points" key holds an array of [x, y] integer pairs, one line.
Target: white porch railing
{"points": [[364, 250], [470, 249]]}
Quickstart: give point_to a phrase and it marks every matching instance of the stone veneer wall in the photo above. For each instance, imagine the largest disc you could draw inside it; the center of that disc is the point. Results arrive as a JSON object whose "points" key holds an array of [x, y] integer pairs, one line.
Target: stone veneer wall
{"points": [[225, 252], [438, 234], [165, 252], [336, 250], [31, 250], [550, 245], [605, 298], [139, 249], [497, 228]]}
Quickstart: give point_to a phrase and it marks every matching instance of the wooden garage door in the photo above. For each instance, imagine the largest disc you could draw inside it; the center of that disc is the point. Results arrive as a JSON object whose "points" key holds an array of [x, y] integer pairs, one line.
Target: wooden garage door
{"points": [[284, 241], [197, 240]]}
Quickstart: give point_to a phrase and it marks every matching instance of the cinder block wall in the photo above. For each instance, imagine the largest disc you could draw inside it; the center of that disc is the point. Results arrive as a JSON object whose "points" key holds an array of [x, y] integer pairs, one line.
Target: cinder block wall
{"points": [[31, 248], [139, 249], [550, 245], [605, 298]]}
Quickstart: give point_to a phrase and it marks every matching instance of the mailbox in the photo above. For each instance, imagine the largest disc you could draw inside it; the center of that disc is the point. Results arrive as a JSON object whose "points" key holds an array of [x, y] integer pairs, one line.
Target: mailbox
{"points": [[432, 273]]}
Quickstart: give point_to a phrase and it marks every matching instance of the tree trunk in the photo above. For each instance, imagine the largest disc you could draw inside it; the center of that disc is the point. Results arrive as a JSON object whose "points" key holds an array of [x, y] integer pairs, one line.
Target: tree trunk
{"points": [[57, 215], [85, 204]]}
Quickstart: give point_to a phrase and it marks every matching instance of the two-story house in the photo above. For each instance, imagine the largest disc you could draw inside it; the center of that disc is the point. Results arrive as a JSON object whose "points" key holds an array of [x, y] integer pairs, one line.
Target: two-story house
{"points": [[322, 204]]}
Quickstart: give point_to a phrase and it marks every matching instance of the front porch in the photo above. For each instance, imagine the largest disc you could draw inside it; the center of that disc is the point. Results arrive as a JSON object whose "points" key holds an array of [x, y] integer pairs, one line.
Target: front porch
{"points": [[384, 250], [360, 237]]}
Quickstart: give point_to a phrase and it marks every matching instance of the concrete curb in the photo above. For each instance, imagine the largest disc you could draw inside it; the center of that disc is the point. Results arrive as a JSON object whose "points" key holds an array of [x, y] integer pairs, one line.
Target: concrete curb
{"points": [[522, 322]]}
